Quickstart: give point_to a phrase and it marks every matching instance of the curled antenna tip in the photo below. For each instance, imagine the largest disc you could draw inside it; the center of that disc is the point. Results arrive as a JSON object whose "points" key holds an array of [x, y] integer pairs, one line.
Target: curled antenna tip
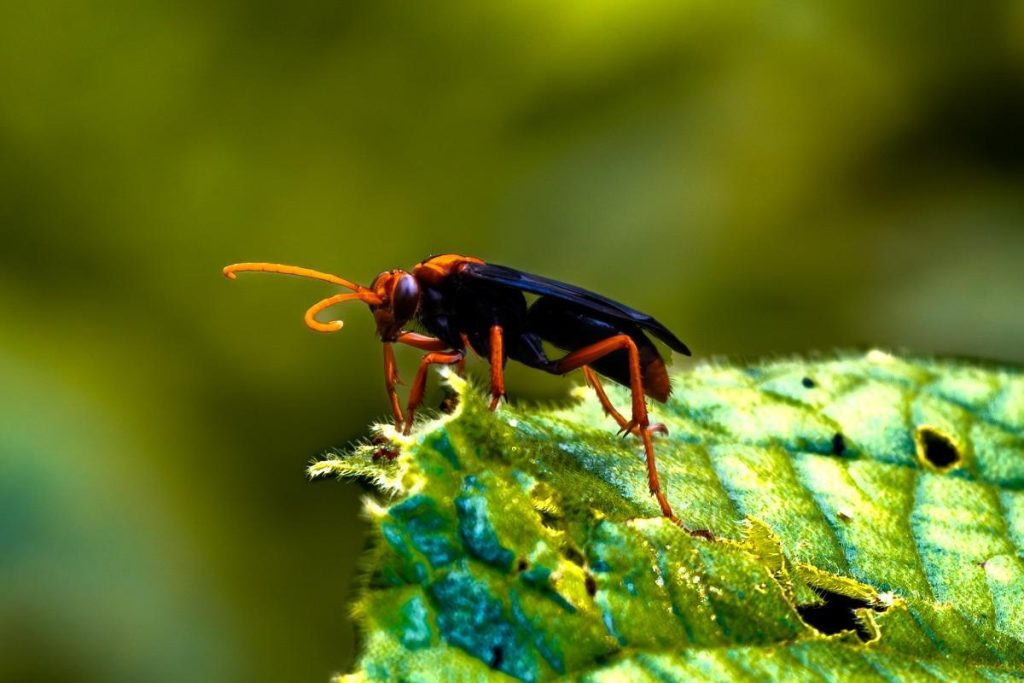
{"points": [[317, 326], [229, 273]]}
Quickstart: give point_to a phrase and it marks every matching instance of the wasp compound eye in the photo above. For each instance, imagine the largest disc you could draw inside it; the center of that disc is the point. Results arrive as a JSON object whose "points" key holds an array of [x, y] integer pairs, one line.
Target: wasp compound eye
{"points": [[405, 297]]}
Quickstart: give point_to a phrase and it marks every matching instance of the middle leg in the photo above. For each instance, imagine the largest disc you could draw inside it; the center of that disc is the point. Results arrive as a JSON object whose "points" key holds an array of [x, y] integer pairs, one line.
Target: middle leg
{"points": [[420, 383], [497, 366], [391, 381], [439, 353]]}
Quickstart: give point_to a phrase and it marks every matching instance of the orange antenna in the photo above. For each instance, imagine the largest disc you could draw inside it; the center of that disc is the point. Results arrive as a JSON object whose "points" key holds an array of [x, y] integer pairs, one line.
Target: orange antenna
{"points": [[229, 272], [333, 325], [358, 291]]}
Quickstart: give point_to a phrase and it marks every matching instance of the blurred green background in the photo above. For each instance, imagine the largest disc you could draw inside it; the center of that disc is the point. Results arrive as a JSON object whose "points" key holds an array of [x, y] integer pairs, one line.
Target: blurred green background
{"points": [[765, 178]]}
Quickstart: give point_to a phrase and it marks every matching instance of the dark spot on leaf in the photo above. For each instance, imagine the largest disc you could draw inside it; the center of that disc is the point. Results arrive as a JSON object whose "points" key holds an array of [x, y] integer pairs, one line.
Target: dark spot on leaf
{"points": [[387, 453], [522, 565], [384, 448], [591, 584], [808, 382], [551, 521], [497, 656], [574, 556], [836, 614], [936, 449], [838, 444], [450, 402]]}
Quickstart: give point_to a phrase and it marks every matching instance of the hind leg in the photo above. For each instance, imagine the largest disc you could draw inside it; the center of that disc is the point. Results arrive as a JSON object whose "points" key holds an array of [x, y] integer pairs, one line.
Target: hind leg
{"points": [[595, 382], [639, 420], [589, 354]]}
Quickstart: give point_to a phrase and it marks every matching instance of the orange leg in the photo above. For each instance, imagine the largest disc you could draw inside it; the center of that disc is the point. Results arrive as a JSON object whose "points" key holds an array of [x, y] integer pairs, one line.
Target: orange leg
{"points": [[421, 341], [589, 354], [420, 383], [497, 366], [390, 380], [595, 382], [460, 367]]}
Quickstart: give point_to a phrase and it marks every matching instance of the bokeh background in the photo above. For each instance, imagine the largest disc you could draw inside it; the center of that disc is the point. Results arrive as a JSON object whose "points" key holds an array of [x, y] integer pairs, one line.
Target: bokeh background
{"points": [[765, 178]]}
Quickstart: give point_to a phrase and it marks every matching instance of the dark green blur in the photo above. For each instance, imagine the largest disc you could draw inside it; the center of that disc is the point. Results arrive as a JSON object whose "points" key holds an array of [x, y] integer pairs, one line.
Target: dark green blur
{"points": [[765, 178]]}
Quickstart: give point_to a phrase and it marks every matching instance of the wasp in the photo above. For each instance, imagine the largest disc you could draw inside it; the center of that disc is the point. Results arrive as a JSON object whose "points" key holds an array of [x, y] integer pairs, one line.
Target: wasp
{"points": [[464, 303]]}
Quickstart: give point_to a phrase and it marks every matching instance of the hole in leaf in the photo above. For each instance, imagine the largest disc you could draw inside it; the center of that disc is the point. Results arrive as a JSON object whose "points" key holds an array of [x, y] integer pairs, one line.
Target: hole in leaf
{"points": [[838, 444], [836, 614], [522, 565], [808, 383], [936, 449], [591, 584]]}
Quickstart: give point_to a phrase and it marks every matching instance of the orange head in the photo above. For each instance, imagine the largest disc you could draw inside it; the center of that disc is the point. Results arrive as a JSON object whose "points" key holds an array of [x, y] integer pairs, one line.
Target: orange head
{"points": [[399, 295], [393, 298]]}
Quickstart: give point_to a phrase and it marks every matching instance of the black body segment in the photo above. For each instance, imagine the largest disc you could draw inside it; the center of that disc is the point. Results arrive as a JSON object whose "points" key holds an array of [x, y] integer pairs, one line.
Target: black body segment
{"points": [[474, 297]]}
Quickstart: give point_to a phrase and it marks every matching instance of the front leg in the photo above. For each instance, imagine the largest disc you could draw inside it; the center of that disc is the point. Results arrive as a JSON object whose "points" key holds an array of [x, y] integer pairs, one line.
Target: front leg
{"points": [[390, 380], [420, 383]]}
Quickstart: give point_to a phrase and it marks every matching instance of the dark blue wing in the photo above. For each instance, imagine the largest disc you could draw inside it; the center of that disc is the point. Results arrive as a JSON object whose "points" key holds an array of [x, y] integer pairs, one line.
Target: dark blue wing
{"points": [[600, 305]]}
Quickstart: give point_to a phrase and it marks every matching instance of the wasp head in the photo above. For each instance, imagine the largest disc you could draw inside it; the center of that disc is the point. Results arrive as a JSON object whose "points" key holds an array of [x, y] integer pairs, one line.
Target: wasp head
{"points": [[400, 297]]}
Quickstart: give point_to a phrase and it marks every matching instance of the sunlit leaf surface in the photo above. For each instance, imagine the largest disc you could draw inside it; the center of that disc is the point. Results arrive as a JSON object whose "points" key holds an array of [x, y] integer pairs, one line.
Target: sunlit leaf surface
{"points": [[868, 509]]}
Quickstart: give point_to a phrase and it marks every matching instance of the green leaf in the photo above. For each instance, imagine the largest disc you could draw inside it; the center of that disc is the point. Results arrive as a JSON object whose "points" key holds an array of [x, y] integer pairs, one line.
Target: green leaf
{"points": [[868, 511]]}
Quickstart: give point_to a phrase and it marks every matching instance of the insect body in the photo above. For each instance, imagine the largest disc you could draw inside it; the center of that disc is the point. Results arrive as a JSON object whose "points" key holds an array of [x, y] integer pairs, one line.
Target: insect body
{"points": [[464, 303]]}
